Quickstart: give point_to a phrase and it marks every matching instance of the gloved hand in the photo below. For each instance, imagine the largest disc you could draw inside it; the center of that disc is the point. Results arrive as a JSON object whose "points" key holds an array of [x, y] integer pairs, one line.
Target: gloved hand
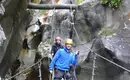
{"points": [[51, 71]]}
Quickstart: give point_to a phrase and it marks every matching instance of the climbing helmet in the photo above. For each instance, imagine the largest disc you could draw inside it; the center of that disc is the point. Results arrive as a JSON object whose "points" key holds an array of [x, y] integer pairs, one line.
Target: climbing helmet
{"points": [[69, 41]]}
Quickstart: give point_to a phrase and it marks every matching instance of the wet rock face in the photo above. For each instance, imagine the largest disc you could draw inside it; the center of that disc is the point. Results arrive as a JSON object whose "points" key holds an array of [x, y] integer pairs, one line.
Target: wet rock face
{"points": [[14, 21]]}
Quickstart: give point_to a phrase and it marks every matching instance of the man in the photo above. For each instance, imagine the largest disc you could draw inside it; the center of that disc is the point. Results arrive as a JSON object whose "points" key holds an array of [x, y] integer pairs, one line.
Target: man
{"points": [[57, 45], [62, 61]]}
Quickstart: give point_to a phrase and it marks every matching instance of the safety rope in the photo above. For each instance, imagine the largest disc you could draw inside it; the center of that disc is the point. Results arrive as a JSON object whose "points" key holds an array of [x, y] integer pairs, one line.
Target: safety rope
{"points": [[22, 71], [53, 18], [72, 17], [73, 24], [113, 62], [107, 59], [94, 60], [52, 36]]}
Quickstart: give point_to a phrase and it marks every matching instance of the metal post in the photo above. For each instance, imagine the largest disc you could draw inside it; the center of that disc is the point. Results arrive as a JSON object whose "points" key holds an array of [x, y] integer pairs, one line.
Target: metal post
{"points": [[40, 75], [94, 62]]}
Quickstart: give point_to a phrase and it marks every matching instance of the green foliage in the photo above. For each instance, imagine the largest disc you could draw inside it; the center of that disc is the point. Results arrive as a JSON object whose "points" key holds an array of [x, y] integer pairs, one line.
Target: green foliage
{"points": [[111, 3], [79, 1], [115, 3], [106, 31], [103, 1]]}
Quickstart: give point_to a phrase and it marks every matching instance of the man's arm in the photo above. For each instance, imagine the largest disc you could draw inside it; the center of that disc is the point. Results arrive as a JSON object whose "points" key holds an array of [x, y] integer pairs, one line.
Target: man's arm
{"points": [[74, 58], [54, 59]]}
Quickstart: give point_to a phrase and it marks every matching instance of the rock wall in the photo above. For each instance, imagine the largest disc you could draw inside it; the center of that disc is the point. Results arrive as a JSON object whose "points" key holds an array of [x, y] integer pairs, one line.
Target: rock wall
{"points": [[101, 28], [112, 44], [14, 21]]}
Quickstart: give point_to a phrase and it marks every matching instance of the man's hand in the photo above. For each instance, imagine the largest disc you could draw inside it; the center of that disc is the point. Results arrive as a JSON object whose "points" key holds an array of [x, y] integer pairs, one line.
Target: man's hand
{"points": [[52, 54], [71, 65], [77, 53], [51, 71]]}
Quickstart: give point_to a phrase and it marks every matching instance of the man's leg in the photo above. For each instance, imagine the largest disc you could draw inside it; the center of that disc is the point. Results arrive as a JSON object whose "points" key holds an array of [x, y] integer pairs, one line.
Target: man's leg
{"points": [[58, 75], [72, 73], [74, 76], [67, 76]]}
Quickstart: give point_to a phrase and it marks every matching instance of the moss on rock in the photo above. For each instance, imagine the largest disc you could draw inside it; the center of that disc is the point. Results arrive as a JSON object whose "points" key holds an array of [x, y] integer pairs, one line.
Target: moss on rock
{"points": [[105, 31], [79, 1]]}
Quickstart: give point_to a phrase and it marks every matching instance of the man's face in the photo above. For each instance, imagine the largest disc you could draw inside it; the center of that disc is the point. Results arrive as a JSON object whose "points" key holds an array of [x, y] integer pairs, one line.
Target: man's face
{"points": [[68, 46], [58, 41]]}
